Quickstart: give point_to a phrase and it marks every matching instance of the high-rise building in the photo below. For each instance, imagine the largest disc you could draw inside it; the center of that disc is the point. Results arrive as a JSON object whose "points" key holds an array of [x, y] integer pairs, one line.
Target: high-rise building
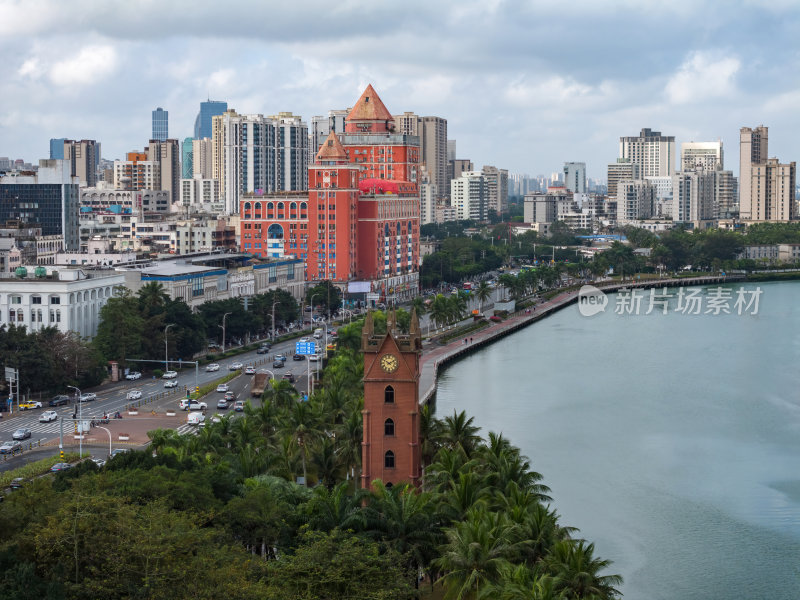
{"points": [[701, 155], [201, 195], [772, 191], [203, 158], [321, 128], [540, 208], [208, 110], [693, 196], [137, 172], [468, 196], [83, 160], [167, 155], [291, 154], [635, 200], [458, 166], [623, 169], [187, 158], [57, 148], [160, 125], [575, 177], [432, 133], [451, 150], [653, 152], [753, 150], [49, 199], [496, 188], [725, 195]]}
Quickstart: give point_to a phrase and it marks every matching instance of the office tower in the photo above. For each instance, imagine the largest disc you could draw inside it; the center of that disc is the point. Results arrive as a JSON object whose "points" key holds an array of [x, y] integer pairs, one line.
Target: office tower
{"points": [[167, 155], [496, 181], [57, 148], [693, 196], [575, 177], [160, 125], [187, 158], [292, 152], [635, 200], [701, 155], [753, 150], [202, 158], [653, 152], [208, 110], [772, 189], [83, 160], [623, 169], [451, 150], [49, 199], [468, 196]]}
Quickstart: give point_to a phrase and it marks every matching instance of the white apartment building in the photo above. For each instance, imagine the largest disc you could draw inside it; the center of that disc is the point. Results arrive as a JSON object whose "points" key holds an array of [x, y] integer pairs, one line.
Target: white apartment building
{"points": [[701, 155], [622, 170], [496, 187], [772, 190], [427, 203], [468, 196], [292, 152], [203, 158], [635, 200], [693, 196], [201, 195], [653, 152], [575, 177], [753, 150], [137, 175]]}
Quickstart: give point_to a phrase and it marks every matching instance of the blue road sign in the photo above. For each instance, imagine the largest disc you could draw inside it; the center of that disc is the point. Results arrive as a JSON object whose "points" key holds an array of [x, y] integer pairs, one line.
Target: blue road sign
{"points": [[305, 348]]}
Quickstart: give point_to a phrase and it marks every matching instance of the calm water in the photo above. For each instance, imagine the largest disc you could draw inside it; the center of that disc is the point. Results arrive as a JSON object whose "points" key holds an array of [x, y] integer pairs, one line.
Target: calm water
{"points": [[671, 441]]}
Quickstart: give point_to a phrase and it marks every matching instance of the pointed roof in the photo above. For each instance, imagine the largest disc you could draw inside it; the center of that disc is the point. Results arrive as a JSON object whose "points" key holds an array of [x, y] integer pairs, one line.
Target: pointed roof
{"points": [[332, 149], [369, 108]]}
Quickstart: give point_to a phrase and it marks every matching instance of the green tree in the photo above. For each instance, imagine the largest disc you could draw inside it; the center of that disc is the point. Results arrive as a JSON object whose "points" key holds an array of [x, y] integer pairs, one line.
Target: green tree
{"points": [[119, 332], [327, 297]]}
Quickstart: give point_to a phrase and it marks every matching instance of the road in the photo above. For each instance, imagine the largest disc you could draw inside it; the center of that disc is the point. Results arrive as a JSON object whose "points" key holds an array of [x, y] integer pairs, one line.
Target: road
{"points": [[113, 397]]}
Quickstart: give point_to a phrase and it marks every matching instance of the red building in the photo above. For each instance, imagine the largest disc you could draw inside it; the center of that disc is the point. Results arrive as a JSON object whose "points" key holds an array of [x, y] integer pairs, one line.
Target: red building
{"points": [[358, 225]]}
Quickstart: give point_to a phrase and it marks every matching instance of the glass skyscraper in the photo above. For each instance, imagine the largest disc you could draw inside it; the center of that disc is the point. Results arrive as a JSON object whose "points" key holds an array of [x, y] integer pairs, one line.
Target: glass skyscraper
{"points": [[208, 109], [57, 148], [187, 163], [160, 125]]}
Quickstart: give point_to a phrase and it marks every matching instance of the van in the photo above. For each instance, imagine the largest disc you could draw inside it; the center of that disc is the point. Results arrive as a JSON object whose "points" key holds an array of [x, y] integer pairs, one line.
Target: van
{"points": [[195, 418], [318, 332]]}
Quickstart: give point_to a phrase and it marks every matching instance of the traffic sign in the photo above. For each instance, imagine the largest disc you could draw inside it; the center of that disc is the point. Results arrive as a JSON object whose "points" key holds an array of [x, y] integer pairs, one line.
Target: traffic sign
{"points": [[305, 348]]}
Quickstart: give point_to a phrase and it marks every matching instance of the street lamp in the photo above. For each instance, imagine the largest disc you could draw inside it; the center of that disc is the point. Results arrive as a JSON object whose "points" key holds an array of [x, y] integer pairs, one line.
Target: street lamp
{"points": [[349, 314], [312, 307], [80, 420], [273, 318], [166, 347], [225, 316]]}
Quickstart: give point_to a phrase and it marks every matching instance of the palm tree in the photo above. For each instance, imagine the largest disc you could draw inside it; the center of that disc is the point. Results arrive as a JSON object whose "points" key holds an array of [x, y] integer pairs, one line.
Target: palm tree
{"points": [[418, 304], [350, 433], [301, 422], [281, 393], [519, 582], [458, 306], [152, 297], [327, 462], [333, 508], [458, 431], [577, 571], [429, 431], [440, 310], [483, 292]]}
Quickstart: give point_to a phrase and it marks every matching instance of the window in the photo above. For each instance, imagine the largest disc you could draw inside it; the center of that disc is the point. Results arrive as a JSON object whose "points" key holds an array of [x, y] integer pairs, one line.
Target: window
{"points": [[388, 427], [36, 299], [388, 395], [388, 460], [16, 299]]}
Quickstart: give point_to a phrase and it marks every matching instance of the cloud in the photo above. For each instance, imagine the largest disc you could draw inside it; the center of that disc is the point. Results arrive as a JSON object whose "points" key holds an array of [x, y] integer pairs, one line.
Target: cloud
{"points": [[30, 68], [89, 65], [703, 75]]}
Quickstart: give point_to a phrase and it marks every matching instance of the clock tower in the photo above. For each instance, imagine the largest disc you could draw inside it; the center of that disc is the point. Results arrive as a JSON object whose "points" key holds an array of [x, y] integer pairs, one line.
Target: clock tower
{"points": [[390, 447]]}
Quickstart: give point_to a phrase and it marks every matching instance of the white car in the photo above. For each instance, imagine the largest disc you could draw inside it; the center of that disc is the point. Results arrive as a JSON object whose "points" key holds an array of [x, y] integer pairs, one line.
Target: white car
{"points": [[235, 366], [47, 416], [313, 357], [170, 375], [222, 387], [134, 395], [171, 383], [90, 397], [212, 367], [133, 375], [304, 340], [249, 370]]}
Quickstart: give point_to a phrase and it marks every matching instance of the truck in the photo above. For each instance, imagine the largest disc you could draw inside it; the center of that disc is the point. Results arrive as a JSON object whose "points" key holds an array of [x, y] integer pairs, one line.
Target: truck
{"points": [[259, 384]]}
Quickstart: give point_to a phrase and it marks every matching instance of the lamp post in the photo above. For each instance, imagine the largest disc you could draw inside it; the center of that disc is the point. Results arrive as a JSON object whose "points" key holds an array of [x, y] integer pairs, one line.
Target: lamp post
{"points": [[166, 347], [312, 308], [273, 318], [109, 438], [349, 314], [80, 420], [225, 316]]}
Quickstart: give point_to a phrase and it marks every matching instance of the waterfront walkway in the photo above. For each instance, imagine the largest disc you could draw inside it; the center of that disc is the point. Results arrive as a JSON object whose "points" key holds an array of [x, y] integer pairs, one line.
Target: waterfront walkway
{"points": [[435, 356]]}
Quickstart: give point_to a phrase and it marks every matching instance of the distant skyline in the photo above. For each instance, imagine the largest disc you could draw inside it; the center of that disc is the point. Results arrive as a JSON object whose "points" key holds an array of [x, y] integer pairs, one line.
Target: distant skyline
{"points": [[524, 86]]}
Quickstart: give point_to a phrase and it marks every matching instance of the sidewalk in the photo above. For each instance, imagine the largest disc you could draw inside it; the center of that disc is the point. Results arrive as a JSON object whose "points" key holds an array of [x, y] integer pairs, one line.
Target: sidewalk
{"points": [[134, 427]]}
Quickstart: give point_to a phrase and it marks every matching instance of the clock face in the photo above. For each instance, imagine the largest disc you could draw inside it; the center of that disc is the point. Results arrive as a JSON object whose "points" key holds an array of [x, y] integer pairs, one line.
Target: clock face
{"points": [[389, 363]]}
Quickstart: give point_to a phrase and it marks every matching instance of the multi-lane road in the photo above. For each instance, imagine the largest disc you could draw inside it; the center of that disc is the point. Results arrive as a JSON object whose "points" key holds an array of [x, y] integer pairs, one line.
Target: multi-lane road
{"points": [[112, 398]]}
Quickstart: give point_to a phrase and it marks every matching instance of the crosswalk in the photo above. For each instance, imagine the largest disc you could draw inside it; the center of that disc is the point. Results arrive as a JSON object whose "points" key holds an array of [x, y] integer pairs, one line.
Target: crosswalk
{"points": [[6, 429]]}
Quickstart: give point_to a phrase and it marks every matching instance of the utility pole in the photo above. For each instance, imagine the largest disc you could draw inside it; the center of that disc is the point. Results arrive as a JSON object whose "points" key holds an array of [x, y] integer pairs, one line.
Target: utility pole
{"points": [[225, 316], [166, 347], [273, 318]]}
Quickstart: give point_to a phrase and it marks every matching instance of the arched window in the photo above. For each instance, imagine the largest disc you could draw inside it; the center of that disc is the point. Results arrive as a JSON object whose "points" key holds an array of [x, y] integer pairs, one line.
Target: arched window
{"points": [[303, 206], [388, 427], [386, 230], [280, 205], [275, 231], [388, 395], [270, 206], [293, 206], [247, 206], [389, 485], [258, 206], [388, 460]]}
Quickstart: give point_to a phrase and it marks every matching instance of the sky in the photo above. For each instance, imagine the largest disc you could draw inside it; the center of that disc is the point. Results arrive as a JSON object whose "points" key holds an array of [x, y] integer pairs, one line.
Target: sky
{"points": [[524, 85]]}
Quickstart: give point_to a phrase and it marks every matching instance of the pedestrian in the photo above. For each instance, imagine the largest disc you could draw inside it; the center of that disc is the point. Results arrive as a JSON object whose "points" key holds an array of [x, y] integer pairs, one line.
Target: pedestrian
{"points": [[465, 341], [470, 340]]}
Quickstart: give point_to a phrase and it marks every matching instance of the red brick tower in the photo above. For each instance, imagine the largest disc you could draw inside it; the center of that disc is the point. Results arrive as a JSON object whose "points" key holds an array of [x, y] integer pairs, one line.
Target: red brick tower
{"points": [[390, 449]]}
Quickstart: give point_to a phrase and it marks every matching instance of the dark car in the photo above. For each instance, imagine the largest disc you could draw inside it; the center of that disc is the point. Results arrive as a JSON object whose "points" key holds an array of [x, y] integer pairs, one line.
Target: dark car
{"points": [[277, 364], [289, 377], [62, 466], [17, 483], [298, 356], [262, 350], [60, 400], [222, 404]]}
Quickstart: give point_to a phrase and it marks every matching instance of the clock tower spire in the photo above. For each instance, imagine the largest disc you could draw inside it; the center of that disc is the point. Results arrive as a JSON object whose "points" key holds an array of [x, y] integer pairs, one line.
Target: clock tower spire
{"points": [[390, 448]]}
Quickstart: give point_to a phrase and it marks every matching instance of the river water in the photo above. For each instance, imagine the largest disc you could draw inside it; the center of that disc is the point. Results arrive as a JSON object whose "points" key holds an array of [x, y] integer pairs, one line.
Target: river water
{"points": [[671, 441]]}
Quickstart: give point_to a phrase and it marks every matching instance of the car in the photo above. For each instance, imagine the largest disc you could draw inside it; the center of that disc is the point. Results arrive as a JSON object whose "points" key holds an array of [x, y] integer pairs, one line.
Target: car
{"points": [[332, 333], [118, 451], [89, 397], [134, 395], [196, 405], [30, 405], [495, 319], [212, 367], [169, 375], [262, 350], [60, 400], [17, 483], [47, 416], [222, 404], [230, 396], [98, 461], [238, 406], [60, 466], [298, 356], [10, 447], [216, 419], [171, 383], [222, 387], [249, 370], [289, 377], [23, 433], [277, 364], [133, 376], [280, 357], [235, 366], [313, 357], [304, 340]]}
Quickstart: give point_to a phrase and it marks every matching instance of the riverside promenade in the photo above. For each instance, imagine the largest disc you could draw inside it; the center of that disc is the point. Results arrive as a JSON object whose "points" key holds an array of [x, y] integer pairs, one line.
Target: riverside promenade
{"points": [[435, 356]]}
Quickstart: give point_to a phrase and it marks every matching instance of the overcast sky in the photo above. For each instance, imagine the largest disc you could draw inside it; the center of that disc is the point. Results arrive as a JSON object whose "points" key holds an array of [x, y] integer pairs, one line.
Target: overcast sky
{"points": [[524, 85]]}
